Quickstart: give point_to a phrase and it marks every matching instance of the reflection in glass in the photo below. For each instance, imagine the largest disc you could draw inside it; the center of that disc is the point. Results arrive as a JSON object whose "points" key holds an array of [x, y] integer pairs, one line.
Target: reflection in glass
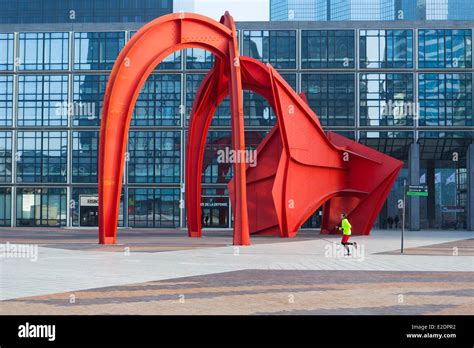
{"points": [[44, 51], [5, 157], [42, 100], [41, 207], [159, 101], [6, 100], [88, 97], [6, 51], [42, 157], [331, 97], [448, 48], [386, 49], [97, 50], [327, 49], [153, 207], [197, 58], [85, 149], [445, 99], [154, 157], [5, 206], [277, 47], [386, 100]]}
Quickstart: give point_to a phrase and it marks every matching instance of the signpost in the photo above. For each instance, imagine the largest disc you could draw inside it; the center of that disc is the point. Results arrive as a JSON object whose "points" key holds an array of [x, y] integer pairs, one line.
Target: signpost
{"points": [[413, 190], [418, 190]]}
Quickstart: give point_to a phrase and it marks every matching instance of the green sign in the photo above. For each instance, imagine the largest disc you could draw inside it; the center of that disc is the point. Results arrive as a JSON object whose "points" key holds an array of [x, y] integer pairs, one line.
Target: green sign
{"points": [[413, 193], [417, 190]]}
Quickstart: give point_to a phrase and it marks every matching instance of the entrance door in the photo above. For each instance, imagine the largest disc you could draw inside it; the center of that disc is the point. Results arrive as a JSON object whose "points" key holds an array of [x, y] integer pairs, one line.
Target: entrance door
{"points": [[89, 211], [215, 212]]}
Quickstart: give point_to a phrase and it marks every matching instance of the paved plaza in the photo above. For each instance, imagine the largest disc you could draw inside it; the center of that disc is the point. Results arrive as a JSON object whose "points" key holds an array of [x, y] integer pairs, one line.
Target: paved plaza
{"points": [[165, 272]]}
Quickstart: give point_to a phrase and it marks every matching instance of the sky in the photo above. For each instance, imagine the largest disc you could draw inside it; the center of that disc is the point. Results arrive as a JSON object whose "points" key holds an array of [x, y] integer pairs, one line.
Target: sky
{"points": [[241, 10]]}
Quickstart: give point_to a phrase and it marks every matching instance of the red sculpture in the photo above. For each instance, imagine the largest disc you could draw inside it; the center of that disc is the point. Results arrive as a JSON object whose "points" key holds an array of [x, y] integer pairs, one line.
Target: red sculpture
{"points": [[299, 167]]}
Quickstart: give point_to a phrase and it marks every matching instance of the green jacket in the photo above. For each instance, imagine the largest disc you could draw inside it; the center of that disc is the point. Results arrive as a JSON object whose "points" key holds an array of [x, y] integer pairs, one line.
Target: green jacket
{"points": [[345, 227]]}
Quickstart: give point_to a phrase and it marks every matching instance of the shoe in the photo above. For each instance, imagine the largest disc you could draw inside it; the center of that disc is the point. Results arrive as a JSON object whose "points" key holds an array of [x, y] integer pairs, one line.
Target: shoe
{"points": [[355, 245]]}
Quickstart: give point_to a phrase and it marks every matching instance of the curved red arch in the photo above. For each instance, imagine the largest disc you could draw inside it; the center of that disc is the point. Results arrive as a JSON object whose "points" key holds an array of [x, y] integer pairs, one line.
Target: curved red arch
{"points": [[147, 48]]}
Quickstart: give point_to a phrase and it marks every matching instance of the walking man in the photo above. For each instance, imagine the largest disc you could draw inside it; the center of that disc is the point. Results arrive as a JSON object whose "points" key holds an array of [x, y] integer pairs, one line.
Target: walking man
{"points": [[345, 227]]}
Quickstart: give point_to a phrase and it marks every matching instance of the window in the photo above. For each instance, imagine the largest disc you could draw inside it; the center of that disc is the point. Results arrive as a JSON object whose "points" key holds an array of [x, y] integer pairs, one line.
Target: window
{"points": [[90, 191], [159, 101], [154, 207], [41, 207], [386, 49], [393, 143], [214, 172], [88, 97], [277, 47], [42, 100], [445, 99], [6, 100], [386, 100], [445, 48], [6, 51], [97, 51], [5, 157], [197, 58], [44, 51], [327, 49], [5, 206], [42, 157], [154, 157], [221, 115], [331, 96], [85, 150]]}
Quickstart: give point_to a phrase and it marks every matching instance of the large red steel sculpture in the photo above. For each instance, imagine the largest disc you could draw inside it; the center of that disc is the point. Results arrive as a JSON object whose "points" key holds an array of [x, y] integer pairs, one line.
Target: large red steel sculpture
{"points": [[300, 168]]}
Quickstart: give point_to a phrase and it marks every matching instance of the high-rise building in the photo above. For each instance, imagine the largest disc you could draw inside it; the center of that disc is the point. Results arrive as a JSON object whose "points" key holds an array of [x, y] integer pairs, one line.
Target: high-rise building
{"points": [[283, 10], [403, 88], [299, 10]]}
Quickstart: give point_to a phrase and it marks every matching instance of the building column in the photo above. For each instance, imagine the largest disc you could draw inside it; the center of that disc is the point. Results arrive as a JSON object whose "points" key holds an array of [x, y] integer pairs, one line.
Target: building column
{"points": [[414, 179], [470, 188], [431, 199]]}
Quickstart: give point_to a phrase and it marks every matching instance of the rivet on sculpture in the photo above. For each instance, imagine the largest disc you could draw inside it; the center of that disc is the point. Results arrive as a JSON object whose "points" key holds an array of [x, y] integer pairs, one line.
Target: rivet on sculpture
{"points": [[300, 168]]}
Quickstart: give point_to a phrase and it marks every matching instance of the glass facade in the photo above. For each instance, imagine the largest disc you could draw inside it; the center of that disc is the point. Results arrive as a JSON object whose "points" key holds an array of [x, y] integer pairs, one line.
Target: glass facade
{"points": [[97, 50], [332, 97], [445, 99], [371, 85], [327, 49], [42, 100], [370, 10], [80, 11], [386, 49], [277, 47], [445, 48], [299, 10], [386, 100], [44, 51]]}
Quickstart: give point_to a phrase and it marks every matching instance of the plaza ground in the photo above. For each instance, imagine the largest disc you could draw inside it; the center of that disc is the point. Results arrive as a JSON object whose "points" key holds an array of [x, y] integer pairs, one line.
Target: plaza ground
{"points": [[165, 272]]}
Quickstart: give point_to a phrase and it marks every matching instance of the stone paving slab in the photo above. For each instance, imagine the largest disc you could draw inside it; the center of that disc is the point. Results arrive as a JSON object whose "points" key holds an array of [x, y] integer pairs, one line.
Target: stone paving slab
{"points": [[62, 269], [269, 292]]}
